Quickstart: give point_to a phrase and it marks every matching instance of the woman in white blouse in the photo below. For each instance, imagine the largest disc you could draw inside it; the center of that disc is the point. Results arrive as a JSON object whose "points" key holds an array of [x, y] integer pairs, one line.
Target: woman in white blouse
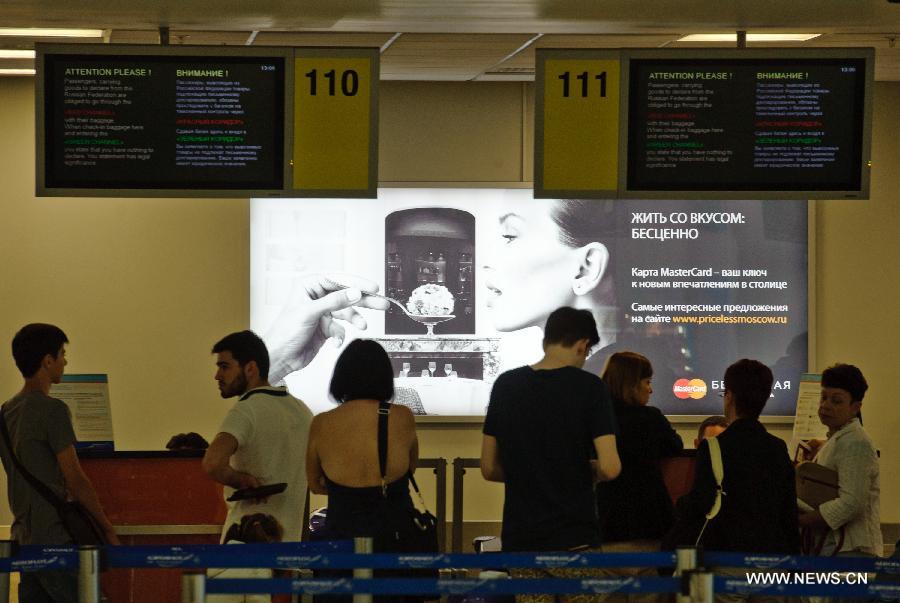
{"points": [[851, 522]]}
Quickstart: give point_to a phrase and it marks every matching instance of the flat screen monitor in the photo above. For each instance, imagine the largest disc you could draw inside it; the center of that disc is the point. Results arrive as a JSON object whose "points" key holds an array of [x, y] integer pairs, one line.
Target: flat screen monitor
{"points": [[692, 285], [787, 123], [160, 121]]}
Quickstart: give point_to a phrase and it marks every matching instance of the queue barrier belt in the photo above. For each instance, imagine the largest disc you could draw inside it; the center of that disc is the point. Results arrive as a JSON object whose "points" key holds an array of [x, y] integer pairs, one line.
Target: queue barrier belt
{"points": [[43, 557], [412, 586], [298, 555], [337, 555], [36, 557], [274, 555]]}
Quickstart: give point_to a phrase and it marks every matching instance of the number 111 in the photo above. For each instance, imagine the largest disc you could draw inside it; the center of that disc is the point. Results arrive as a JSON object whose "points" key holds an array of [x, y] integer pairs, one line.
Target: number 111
{"points": [[583, 78]]}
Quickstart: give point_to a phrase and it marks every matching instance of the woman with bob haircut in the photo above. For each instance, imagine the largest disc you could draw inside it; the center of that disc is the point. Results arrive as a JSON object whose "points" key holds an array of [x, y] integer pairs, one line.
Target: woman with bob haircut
{"points": [[342, 458], [849, 525], [635, 509]]}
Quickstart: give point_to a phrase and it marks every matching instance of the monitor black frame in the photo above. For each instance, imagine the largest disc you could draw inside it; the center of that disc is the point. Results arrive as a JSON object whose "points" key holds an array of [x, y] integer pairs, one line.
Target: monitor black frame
{"points": [[135, 51], [625, 56], [867, 55]]}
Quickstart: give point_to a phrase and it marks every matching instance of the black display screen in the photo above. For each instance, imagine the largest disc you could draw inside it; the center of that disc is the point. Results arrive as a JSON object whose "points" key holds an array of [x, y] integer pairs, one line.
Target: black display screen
{"points": [[746, 124], [163, 122]]}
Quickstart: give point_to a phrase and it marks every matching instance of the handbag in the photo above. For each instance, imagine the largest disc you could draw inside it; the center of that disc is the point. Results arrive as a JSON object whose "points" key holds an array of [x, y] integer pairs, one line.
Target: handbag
{"points": [[422, 537], [420, 533], [816, 484], [76, 520], [689, 532]]}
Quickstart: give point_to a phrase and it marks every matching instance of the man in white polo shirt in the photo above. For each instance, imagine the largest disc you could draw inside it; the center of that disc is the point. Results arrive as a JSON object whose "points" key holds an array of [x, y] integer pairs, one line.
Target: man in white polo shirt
{"points": [[263, 437]]}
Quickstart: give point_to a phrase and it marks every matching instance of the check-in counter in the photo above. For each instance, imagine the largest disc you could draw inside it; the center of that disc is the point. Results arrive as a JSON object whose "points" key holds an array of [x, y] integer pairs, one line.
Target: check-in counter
{"points": [[154, 498]]}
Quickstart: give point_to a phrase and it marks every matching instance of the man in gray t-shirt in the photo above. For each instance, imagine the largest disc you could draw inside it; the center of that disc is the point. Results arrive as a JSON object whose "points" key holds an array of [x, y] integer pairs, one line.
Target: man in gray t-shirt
{"points": [[42, 438], [40, 428]]}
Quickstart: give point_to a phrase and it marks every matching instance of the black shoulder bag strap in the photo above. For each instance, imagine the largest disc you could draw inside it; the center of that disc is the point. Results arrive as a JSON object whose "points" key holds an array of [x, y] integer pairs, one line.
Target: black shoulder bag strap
{"points": [[415, 486], [37, 484], [384, 409]]}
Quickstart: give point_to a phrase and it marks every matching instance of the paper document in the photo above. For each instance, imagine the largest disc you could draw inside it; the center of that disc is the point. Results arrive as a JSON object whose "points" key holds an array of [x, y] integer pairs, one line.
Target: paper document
{"points": [[87, 397], [806, 420]]}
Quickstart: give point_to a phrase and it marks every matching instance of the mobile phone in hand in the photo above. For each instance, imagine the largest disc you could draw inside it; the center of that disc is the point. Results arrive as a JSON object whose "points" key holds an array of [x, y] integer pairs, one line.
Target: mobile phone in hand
{"points": [[257, 492]]}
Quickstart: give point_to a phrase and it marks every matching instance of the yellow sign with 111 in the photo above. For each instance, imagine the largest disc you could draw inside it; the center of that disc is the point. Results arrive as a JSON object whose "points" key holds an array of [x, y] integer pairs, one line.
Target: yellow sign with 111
{"points": [[580, 124]]}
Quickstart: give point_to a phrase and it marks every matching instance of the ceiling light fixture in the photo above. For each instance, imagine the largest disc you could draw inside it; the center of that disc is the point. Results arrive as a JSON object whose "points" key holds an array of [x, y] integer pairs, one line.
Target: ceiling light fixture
{"points": [[34, 32], [17, 71], [751, 37], [16, 54]]}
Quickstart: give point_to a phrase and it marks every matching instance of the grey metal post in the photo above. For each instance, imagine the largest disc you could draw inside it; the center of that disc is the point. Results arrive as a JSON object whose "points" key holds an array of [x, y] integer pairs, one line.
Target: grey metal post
{"points": [[5, 553], [685, 561], [701, 584], [193, 587], [88, 574], [303, 574], [456, 525], [363, 546]]}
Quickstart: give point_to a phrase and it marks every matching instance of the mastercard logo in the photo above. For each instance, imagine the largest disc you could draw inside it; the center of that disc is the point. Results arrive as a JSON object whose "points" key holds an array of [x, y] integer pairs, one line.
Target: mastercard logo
{"points": [[694, 388]]}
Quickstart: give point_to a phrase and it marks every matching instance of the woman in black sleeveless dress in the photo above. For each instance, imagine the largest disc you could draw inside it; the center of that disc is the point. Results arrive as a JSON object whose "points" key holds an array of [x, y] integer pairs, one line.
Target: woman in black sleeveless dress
{"points": [[366, 480]]}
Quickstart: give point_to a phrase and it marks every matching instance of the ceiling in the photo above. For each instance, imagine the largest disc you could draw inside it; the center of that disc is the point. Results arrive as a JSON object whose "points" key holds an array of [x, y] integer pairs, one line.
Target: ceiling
{"points": [[463, 40]]}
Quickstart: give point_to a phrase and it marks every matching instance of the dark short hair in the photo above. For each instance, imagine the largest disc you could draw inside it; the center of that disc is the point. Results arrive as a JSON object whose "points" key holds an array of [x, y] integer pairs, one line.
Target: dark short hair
{"points": [[846, 377], [33, 342], [187, 441], [713, 421], [624, 372], [255, 527], [566, 326], [750, 384], [363, 370], [246, 346]]}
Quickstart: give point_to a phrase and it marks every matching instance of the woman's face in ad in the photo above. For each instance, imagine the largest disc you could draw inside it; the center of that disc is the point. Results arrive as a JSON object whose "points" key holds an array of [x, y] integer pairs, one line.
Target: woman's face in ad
{"points": [[530, 272]]}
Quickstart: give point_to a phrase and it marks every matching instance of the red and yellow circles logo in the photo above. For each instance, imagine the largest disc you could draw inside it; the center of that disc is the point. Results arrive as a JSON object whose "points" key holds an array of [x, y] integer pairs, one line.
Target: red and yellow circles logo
{"points": [[694, 388]]}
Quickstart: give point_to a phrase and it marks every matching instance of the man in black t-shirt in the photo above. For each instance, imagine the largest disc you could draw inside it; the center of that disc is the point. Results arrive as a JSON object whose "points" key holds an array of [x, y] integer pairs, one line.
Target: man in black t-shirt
{"points": [[544, 424]]}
